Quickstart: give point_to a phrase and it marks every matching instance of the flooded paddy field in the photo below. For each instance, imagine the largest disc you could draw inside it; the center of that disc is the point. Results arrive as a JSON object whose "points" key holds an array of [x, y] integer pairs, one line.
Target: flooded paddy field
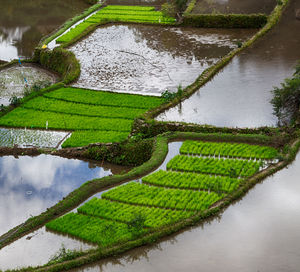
{"points": [[12, 81], [24, 23], [150, 59], [154, 3], [239, 96], [234, 6], [37, 248], [258, 233], [31, 138], [30, 185]]}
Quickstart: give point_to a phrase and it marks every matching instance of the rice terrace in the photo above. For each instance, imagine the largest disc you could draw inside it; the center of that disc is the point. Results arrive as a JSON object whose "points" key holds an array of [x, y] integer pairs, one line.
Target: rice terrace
{"points": [[149, 135]]}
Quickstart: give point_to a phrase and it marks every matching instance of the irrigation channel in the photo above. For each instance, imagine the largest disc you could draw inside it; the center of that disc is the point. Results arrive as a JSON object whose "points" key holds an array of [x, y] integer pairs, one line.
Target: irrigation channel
{"points": [[258, 233], [150, 59], [239, 96], [23, 25]]}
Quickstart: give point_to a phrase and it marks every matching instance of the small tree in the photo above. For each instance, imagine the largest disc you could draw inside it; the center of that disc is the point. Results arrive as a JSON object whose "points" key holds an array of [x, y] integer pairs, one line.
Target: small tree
{"points": [[286, 100]]}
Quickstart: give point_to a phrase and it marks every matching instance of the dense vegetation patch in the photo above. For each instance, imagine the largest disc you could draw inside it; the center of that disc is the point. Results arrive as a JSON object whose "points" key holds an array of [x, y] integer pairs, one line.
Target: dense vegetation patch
{"points": [[95, 116], [162, 199], [228, 150], [286, 100], [131, 14]]}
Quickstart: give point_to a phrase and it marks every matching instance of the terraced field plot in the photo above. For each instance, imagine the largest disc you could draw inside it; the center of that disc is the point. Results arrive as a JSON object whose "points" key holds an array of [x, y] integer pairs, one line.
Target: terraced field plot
{"points": [[93, 116], [164, 197], [115, 13]]}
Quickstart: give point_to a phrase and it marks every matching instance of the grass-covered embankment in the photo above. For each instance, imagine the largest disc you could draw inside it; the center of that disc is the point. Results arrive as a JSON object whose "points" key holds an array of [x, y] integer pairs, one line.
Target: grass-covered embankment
{"points": [[94, 116]]}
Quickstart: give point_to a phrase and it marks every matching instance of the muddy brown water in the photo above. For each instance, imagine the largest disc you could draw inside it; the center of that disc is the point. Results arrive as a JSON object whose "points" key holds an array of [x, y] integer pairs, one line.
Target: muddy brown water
{"points": [[258, 233], [24, 23], [150, 59], [30, 185], [239, 96], [234, 6]]}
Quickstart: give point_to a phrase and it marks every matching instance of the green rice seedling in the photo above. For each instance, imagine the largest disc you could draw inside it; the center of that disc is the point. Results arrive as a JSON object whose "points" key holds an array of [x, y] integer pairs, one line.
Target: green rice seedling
{"points": [[136, 193], [112, 210], [92, 229], [246, 151], [227, 167], [192, 181]]}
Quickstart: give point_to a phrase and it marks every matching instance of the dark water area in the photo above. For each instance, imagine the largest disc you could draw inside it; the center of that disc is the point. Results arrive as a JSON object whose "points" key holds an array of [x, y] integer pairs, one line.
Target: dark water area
{"points": [[234, 6], [24, 23], [30, 185], [258, 233], [239, 96], [150, 59]]}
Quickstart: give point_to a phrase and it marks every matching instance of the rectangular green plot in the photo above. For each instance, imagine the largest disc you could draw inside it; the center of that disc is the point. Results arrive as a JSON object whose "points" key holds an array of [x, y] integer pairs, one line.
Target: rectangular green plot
{"points": [[21, 117], [154, 217], [86, 137], [60, 106], [228, 149], [135, 8], [228, 167], [136, 193], [74, 32], [92, 229], [106, 98], [192, 181], [129, 12]]}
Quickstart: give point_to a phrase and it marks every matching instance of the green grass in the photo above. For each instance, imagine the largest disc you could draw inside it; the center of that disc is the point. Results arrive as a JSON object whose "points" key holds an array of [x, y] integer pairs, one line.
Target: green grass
{"points": [[136, 193], [192, 181], [85, 137], [155, 217], [105, 98], [92, 229], [228, 150], [94, 116], [228, 167], [22, 117], [60, 106], [74, 32], [135, 14]]}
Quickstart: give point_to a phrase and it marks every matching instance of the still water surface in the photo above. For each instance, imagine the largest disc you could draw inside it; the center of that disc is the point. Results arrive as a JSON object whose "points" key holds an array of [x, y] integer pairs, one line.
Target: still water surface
{"points": [[150, 59], [239, 96], [30, 185], [24, 23]]}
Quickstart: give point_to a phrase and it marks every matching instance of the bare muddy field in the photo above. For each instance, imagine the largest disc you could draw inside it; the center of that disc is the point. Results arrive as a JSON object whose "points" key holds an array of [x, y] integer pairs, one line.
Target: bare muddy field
{"points": [[259, 233], [150, 59], [24, 23], [239, 96], [234, 6], [12, 82], [30, 185]]}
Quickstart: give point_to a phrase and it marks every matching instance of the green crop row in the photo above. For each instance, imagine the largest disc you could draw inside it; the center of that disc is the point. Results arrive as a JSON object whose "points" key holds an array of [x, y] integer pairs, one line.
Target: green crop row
{"points": [[105, 98], [228, 149], [135, 8], [85, 137], [192, 181], [60, 106], [74, 32], [21, 117], [128, 12], [228, 167], [136, 193], [154, 217], [92, 229]]}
